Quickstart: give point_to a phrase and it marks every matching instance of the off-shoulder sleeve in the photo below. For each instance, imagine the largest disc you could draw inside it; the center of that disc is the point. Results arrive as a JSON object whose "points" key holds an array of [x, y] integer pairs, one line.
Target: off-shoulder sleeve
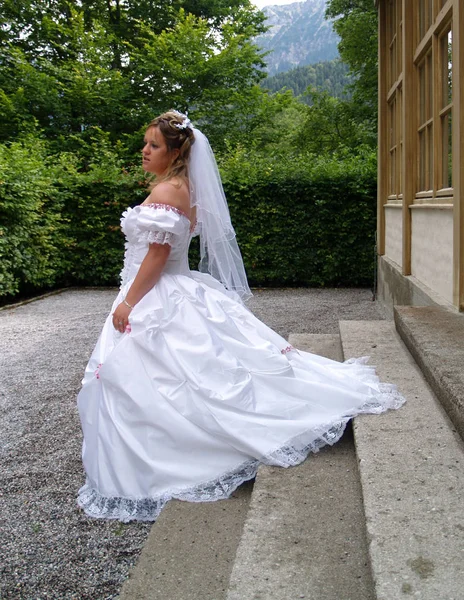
{"points": [[160, 223]]}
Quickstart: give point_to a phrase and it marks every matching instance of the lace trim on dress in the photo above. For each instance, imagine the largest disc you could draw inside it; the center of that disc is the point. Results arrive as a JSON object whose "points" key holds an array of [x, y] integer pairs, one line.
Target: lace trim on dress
{"points": [[385, 396], [167, 207], [148, 509], [178, 211], [154, 237]]}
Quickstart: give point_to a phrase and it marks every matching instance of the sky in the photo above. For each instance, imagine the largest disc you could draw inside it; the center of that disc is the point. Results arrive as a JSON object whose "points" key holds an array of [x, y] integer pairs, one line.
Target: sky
{"points": [[263, 3]]}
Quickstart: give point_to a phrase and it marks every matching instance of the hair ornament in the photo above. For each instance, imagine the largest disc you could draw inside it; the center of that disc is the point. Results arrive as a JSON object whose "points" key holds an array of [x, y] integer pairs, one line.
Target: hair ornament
{"points": [[185, 120]]}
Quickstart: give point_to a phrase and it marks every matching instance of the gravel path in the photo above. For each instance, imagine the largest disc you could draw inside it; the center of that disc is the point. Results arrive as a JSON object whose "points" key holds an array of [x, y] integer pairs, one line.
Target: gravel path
{"points": [[49, 549]]}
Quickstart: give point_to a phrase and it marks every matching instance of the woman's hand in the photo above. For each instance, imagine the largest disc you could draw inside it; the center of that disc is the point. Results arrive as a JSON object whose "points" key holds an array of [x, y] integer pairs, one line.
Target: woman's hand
{"points": [[148, 274], [121, 317]]}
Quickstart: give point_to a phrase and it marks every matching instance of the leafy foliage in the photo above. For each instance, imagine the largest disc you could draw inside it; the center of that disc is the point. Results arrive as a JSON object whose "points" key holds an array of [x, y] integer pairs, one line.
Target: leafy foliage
{"points": [[79, 83], [31, 233], [309, 221], [300, 220], [100, 194], [332, 126], [356, 23], [117, 65], [58, 224], [328, 76]]}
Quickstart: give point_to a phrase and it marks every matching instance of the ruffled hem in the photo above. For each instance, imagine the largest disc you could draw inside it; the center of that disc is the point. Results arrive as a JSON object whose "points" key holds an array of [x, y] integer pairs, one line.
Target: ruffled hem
{"points": [[98, 506], [384, 397]]}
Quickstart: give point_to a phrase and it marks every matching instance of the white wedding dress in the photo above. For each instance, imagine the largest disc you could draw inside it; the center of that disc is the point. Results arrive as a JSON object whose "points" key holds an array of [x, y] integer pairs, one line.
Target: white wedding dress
{"points": [[199, 392]]}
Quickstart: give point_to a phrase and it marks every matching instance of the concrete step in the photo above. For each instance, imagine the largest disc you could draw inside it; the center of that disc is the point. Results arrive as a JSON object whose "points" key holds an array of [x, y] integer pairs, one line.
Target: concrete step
{"points": [[305, 536], [435, 338], [307, 520], [411, 468], [190, 550]]}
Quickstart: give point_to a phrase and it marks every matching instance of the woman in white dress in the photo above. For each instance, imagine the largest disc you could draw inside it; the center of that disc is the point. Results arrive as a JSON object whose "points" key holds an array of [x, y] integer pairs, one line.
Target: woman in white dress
{"points": [[186, 392]]}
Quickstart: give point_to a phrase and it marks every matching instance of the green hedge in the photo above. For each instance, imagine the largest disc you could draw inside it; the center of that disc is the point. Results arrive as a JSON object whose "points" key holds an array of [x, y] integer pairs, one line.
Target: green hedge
{"points": [[32, 235], [304, 221], [59, 216], [96, 249]]}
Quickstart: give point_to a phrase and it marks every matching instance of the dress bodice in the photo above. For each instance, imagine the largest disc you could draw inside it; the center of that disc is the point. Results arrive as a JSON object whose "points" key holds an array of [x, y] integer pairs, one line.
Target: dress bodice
{"points": [[155, 223]]}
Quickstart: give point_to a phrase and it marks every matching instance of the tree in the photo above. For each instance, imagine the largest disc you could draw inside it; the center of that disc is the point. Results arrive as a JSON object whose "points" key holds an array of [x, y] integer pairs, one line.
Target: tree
{"points": [[212, 77], [332, 127], [114, 65], [356, 24], [330, 76]]}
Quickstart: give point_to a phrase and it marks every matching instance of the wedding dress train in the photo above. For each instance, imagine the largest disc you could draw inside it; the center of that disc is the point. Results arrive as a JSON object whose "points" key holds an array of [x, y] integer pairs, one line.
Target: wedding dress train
{"points": [[199, 392]]}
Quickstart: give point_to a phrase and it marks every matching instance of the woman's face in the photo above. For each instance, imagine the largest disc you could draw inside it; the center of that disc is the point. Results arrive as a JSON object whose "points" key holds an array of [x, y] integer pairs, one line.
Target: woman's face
{"points": [[156, 156]]}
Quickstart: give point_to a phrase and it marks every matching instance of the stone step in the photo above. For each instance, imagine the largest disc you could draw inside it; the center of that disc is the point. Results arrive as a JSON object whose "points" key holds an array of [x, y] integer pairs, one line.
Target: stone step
{"points": [[305, 536], [412, 477], [190, 551], [435, 338]]}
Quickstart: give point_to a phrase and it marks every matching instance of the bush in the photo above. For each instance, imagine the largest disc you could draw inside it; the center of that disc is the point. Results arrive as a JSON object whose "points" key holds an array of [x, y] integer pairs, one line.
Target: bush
{"points": [[31, 232], [101, 193], [59, 218], [299, 221], [303, 221]]}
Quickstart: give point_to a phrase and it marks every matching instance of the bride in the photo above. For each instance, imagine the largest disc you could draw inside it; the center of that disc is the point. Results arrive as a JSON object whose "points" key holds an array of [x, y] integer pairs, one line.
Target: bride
{"points": [[186, 392]]}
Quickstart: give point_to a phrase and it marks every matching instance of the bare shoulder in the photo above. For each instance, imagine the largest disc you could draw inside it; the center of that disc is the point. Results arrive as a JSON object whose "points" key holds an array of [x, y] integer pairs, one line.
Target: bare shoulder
{"points": [[174, 192]]}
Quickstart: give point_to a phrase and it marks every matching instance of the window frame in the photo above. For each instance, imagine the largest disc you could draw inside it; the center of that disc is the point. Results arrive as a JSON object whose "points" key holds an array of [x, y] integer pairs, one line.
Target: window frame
{"points": [[430, 178], [394, 100]]}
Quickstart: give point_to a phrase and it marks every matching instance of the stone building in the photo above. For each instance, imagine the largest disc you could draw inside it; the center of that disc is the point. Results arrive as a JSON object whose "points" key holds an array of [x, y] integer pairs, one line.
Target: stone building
{"points": [[420, 235]]}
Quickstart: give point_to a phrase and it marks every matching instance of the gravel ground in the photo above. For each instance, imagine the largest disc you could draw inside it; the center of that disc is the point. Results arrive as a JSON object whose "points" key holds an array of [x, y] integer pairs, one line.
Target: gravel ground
{"points": [[49, 549]]}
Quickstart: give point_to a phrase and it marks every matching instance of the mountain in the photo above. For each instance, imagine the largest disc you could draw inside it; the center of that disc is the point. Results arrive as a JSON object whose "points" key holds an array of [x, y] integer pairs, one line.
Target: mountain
{"points": [[299, 35]]}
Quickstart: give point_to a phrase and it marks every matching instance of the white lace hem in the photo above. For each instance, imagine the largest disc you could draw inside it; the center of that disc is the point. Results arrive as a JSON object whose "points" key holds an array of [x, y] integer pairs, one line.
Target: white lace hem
{"points": [[384, 397], [148, 509]]}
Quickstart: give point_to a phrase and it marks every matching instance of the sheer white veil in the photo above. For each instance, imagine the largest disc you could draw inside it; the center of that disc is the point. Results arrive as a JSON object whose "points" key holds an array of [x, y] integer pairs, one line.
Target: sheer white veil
{"points": [[219, 251]]}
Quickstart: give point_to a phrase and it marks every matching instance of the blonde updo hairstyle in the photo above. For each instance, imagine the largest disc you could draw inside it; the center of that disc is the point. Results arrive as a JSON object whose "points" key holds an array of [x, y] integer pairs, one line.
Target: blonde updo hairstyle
{"points": [[176, 138]]}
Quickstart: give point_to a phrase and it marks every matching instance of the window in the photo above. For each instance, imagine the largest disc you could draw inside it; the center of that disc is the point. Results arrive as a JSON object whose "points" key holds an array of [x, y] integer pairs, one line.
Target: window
{"points": [[425, 129], [395, 145], [392, 121], [395, 37], [425, 16], [446, 108], [428, 108], [434, 68], [395, 140]]}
